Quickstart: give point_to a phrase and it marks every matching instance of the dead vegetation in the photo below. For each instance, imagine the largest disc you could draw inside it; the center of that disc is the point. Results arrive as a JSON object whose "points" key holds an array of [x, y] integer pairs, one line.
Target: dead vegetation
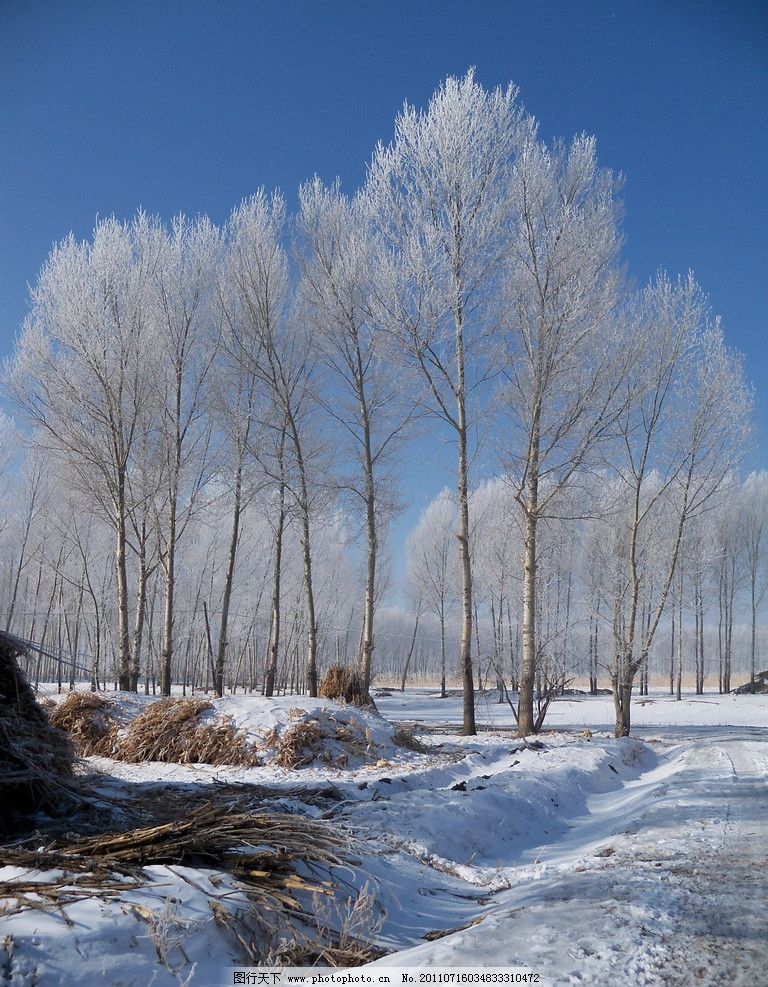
{"points": [[299, 745], [341, 682], [35, 758], [321, 737], [183, 731], [405, 737], [170, 730], [285, 904], [259, 849], [90, 720]]}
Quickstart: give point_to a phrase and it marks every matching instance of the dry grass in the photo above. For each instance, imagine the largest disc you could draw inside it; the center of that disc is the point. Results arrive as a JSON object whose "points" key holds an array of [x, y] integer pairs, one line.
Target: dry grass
{"points": [[285, 914], [405, 737], [315, 739], [300, 745], [35, 758], [343, 934], [91, 721], [345, 683], [170, 730], [259, 849]]}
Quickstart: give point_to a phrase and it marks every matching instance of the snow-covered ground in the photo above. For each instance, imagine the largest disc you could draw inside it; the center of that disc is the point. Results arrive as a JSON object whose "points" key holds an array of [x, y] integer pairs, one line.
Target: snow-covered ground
{"points": [[659, 709], [588, 860]]}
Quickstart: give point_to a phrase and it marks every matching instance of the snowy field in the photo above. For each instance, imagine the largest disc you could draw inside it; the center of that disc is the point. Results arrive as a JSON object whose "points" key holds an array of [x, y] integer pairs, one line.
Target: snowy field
{"points": [[586, 859]]}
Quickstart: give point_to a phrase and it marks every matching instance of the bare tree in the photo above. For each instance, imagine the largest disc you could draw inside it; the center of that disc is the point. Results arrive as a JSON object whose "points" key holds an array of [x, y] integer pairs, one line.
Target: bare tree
{"points": [[682, 438], [275, 346], [84, 373], [439, 195], [184, 314], [367, 409], [753, 514], [566, 360], [430, 555]]}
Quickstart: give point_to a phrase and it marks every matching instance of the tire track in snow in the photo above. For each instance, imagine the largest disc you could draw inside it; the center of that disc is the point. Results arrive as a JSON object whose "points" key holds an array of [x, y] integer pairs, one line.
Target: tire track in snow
{"points": [[680, 900]]}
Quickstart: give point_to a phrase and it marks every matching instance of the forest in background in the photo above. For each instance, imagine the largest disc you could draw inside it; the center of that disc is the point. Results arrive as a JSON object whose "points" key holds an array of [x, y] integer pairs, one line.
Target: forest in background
{"points": [[212, 421]]}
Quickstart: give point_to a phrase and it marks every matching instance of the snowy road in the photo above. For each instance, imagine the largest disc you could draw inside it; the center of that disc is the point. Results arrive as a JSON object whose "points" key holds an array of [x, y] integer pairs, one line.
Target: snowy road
{"points": [[639, 862], [661, 882]]}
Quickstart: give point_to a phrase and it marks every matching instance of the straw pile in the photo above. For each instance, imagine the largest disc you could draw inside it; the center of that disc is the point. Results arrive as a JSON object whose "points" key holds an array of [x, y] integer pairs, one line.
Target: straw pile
{"points": [[170, 730], [405, 737], [300, 745], [343, 682], [320, 736], [35, 758], [91, 721], [260, 851]]}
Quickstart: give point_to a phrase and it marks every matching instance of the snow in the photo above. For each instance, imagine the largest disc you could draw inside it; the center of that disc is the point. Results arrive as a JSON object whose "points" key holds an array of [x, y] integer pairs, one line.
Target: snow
{"points": [[677, 895], [589, 860], [594, 712]]}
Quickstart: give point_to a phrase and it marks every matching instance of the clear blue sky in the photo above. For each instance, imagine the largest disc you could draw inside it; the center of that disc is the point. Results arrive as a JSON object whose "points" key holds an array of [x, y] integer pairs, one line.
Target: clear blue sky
{"points": [[106, 106]]}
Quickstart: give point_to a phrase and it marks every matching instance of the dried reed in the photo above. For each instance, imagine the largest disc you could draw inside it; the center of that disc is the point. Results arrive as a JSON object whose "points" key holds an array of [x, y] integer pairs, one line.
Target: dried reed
{"points": [[91, 721], [170, 730], [343, 682], [35, 758]]}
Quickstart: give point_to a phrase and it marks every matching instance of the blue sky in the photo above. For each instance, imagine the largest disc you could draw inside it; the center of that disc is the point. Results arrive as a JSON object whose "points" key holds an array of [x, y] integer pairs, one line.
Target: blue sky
{"points": [[106, 106]]}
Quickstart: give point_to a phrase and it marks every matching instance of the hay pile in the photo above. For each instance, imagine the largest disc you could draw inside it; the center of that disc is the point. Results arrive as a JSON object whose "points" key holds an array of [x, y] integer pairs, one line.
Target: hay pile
{"points": [[35, 758], [344, 683], [171, 730], [406, 737], [322, 736], [91, 721], [177, 731], [757, 688]]}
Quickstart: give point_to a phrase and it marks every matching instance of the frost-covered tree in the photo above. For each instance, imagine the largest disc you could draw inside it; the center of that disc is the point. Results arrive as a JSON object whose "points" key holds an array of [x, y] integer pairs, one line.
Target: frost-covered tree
{"points": [[566, 360], [84, 373], [275, 345], [439, 197], [682, 437], [364, 403], [430, 553], [753, 514], [184, 317]]}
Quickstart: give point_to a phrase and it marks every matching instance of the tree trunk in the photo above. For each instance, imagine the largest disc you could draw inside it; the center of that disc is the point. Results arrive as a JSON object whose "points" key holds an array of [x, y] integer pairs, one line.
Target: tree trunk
{"points": [[371, 536], [753, 635], [679, 686], [442, 649], [221, 654], [121, 573], [622, 698], [141, 607], [465, 654], [274, 629], [170, 587], [410, 652], [525, 723], [306, 548]]}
